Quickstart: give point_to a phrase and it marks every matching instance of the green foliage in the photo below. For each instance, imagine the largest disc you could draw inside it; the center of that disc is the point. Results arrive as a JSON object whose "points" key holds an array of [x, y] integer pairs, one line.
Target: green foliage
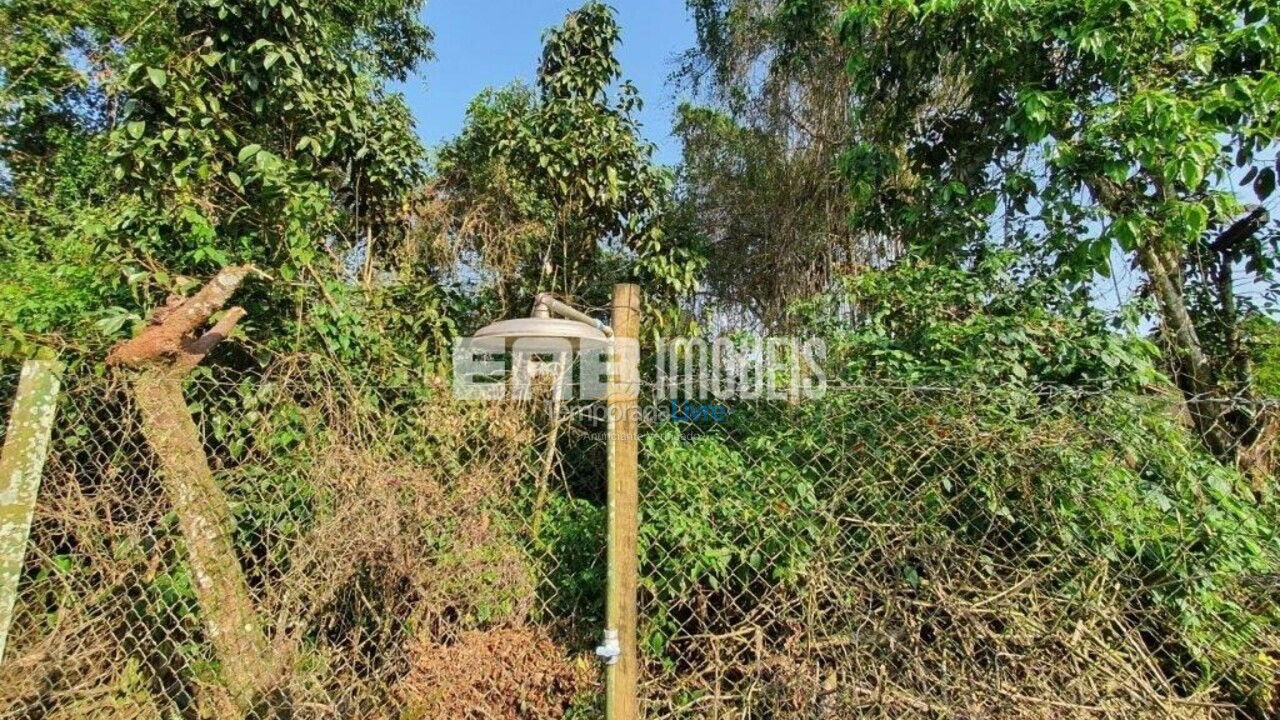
{"points": [[1129, 102], [710, 527], [850, 172], [571, 546], [45, 91], [146, 146], [707, 485], [922, 324], [783, 498], [1199, 532], [260, 132], [546, 187], [1262, 338], [53, 288], [960, 430], [1083, 135]]}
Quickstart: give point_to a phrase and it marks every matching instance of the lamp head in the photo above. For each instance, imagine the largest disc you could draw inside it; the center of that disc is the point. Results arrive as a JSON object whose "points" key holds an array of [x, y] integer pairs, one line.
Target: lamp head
{"points": [[502, 334]]}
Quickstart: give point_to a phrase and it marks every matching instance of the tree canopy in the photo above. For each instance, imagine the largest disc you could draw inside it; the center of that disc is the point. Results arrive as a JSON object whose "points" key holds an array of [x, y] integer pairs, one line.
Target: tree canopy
{"points": [[146, 144], [1085, 137], [550, 187]]}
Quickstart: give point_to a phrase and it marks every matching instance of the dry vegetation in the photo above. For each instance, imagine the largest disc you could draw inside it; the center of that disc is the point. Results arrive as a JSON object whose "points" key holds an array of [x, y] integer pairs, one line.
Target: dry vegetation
{"points": [[371, 551], [501, 674], [396, 577]]}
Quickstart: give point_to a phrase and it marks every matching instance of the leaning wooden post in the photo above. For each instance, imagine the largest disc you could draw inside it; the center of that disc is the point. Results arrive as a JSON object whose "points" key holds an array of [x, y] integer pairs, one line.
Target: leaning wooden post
{"points": [[26, 443], [170, 347], [621, 676]]}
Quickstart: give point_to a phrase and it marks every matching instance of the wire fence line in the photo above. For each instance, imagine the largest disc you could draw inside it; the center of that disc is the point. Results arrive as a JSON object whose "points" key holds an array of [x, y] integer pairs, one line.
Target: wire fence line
{"points": [[958, 554], [879, 551]]}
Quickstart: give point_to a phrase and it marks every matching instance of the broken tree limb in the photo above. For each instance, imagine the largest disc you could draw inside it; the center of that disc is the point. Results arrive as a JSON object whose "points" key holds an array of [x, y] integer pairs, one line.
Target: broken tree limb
{"points": [[161, 357], [1241, 230], [230, 619], [170, 337], [26, 443]]}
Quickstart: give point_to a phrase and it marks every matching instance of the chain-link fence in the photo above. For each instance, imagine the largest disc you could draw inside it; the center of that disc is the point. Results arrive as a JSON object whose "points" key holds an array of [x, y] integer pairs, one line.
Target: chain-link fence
{"points": [[875, 552], [947, 553], [383, 537]]}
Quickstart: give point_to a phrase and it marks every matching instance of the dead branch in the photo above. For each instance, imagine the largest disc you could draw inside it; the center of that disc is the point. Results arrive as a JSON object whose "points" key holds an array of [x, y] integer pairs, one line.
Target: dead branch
{"points": [[170, 337], [1241, 230]]}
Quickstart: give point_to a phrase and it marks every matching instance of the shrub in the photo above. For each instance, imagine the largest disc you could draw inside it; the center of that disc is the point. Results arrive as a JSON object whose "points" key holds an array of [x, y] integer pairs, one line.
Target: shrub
{"points": [[829, 517]]}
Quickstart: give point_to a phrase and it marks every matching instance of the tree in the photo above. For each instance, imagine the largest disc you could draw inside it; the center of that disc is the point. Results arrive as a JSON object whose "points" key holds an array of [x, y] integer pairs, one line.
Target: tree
{"points": [[56, 192], [142, 144], [553, 188], [169, 141], [159, 359], [1078, 131], [925, 325], [760, 154], [261, 131]]}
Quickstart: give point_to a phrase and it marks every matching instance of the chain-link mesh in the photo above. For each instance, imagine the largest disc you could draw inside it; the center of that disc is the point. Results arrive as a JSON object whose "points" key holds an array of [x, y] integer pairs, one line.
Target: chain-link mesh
{"points": [[876, 552], [9, 374], [946, 553], [398, 555]]}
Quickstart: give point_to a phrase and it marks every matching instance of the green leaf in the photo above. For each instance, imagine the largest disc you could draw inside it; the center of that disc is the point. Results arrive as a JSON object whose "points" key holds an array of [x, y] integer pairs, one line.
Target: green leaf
{"points": [[248, 151], [1117, 172], [157, 76], [1202, 59], [1190, 174], [1126, 232], [112, 320], [1265, 183], [1197, 218], [136, 128]]}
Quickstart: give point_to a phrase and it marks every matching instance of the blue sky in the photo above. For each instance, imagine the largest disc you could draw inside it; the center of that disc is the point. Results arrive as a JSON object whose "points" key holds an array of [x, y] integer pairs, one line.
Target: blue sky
{"points": [[489, 43]]}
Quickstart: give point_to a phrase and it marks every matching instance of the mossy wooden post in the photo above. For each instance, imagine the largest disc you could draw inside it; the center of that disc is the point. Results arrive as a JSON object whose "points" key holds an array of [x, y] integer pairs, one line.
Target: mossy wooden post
{"points": [[621, 677], [26, 443], [160, 359]]}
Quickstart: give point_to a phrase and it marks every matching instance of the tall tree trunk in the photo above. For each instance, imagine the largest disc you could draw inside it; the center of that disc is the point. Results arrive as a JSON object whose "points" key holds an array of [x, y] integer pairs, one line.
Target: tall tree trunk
{"points": [[1229, 317], [1228, 247], [162, 356], [1207, 408]]}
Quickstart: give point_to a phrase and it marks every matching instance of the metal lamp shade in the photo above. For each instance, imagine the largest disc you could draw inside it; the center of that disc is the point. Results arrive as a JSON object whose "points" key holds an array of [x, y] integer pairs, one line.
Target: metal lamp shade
{"points": [[502, 334]]}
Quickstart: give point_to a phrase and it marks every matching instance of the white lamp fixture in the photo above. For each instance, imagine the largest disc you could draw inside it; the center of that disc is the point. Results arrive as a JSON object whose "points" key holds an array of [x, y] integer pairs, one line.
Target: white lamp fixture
{"points": [[577, 326]]}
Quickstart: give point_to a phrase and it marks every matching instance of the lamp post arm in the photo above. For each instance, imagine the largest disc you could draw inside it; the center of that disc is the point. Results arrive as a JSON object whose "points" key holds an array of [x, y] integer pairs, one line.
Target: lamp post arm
{"points": [[548, 301]]}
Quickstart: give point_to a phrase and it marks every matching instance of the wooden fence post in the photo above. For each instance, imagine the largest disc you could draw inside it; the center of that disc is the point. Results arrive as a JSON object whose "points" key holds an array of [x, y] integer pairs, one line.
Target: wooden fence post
{"points": [[26, 443], [621, 685]]}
